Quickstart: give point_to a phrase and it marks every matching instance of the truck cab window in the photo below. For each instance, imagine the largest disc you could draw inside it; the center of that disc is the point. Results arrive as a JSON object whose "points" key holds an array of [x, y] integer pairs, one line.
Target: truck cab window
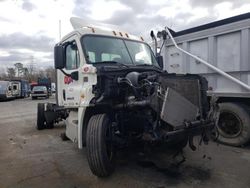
{"points": [[101, 49], [110, 57], [140, 53], [91, 56], [72, 56]]}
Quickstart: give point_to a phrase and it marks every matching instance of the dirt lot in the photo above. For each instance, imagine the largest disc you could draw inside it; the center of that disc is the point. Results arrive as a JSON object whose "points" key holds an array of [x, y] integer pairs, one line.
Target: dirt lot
{"points": [[31, 158]]}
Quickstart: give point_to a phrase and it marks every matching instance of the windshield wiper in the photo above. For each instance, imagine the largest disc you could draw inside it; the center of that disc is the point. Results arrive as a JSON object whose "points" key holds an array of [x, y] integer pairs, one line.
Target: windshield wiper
{"points": [[111, 62], [149, 65]]}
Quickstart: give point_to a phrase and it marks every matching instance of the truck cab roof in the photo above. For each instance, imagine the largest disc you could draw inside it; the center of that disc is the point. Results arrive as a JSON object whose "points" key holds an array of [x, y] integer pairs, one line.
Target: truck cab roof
{"points": [[81, 28]]}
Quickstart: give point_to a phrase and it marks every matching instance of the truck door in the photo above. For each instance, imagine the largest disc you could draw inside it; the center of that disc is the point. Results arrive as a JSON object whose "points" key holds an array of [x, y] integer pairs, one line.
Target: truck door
{"points": [[16, 89], [9, 92], [69, 89]]}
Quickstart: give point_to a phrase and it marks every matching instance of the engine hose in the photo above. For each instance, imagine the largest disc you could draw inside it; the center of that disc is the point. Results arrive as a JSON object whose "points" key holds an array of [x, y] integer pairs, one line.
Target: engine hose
{"points": [[127, 81], [100, 99]]}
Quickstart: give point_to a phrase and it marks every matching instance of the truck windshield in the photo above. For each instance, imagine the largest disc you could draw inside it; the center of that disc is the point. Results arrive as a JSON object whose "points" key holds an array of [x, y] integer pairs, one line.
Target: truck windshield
{"points": [[100, 49], [3, 84], [39, 88]]}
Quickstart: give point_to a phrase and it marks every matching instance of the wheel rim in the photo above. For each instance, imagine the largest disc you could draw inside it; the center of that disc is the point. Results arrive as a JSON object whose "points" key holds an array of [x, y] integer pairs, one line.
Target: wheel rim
{"points": [[229, 125]]}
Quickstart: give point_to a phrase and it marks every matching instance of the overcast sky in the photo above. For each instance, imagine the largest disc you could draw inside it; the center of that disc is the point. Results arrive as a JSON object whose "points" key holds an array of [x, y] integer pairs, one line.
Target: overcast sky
{"points": [[30, 29]]}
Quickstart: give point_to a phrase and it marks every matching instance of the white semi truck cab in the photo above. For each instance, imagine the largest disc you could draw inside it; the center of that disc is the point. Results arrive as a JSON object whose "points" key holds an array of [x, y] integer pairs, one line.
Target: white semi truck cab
{"points": [[112, 93]]}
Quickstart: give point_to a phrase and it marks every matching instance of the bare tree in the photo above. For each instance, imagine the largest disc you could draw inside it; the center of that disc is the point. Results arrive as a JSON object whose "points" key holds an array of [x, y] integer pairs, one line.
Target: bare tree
{"points": [[25, 72], [50, 73], [3, 76], [31, 66], [11, 72], [41, 73], [30, 72], [2, 73]]}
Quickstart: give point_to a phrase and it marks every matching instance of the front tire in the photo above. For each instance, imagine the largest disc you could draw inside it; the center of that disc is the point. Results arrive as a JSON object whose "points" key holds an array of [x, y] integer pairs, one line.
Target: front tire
{"points": [[100, 151], [234, 124]]}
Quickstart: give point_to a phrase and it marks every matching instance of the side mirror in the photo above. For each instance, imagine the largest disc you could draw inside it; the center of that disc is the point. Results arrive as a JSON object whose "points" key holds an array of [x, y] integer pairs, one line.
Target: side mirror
{"points": [[152, 35], [74, 75], [160, 61], [59, 57]]}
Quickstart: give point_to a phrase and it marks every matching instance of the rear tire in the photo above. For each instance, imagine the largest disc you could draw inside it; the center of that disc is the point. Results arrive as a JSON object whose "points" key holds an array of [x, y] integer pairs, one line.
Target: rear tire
{"points": [[40, 117], [100, 152], [234, 124]]}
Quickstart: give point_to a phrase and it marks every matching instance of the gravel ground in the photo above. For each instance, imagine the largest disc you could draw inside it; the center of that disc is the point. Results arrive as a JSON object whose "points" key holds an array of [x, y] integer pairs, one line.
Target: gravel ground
{"points": [[31, 158]]}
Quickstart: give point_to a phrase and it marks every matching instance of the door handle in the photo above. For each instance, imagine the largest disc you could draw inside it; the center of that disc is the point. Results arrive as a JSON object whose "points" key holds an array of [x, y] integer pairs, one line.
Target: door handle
{"points": [[64, 94]]}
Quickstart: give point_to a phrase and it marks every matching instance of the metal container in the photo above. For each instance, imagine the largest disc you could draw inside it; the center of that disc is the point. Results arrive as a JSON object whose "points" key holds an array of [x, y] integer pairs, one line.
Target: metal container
{"points": [[224, 44]]}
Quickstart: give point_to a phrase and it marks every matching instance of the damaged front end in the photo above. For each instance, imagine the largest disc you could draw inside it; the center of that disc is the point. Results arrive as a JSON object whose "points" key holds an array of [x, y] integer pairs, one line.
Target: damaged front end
{"points": [[155, 107], [182, 104]]}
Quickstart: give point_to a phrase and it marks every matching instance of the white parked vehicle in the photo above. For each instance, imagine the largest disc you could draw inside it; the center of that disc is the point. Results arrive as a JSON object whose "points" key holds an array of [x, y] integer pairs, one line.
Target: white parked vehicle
{"points": [[6, 90], [112, 93], [39, 91]]}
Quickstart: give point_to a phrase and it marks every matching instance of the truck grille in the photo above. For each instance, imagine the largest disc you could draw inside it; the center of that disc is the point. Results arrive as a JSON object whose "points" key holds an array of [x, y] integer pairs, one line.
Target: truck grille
{"points": [[38, 92], [192, 87]]}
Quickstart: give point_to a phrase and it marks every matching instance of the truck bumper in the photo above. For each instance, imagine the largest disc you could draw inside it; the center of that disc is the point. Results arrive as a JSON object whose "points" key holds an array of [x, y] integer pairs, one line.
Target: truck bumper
{"points": [[3, 96], [193, 128], [39, 95], [189, 130]]}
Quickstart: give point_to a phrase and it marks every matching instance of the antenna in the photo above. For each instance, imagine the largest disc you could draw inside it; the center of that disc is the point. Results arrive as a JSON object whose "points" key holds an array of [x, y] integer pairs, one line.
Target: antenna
{"points": [[60, 36]]}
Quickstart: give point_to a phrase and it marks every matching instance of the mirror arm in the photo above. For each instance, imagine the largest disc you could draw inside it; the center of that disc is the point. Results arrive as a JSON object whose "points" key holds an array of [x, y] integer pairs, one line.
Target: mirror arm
{"points": [[70, 75], [164, 40], [66, 74]]}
